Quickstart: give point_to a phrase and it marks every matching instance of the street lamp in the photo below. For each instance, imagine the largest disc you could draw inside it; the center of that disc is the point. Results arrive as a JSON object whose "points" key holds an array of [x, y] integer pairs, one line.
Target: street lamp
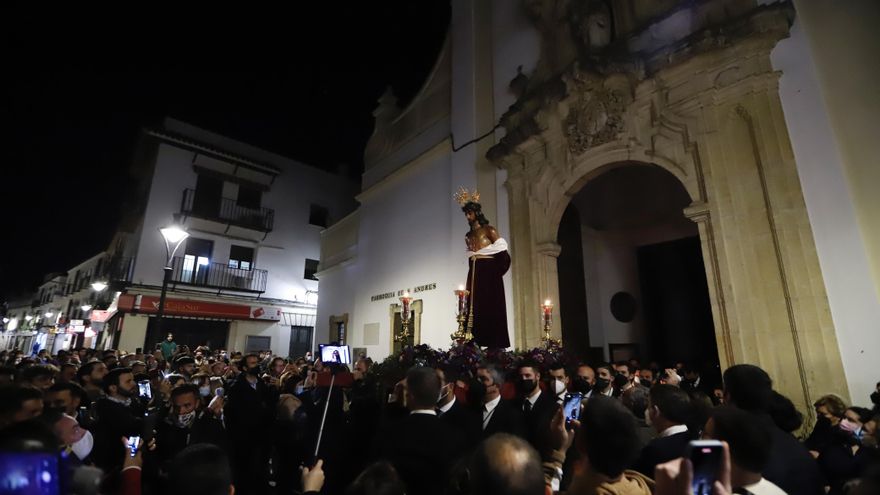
{"points": [[86, 307], [99, 286], [174, 237]]}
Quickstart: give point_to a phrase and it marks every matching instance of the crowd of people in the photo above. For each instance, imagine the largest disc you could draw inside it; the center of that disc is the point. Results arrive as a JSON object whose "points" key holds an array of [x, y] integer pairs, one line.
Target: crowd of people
{"points": [[211, 422]]}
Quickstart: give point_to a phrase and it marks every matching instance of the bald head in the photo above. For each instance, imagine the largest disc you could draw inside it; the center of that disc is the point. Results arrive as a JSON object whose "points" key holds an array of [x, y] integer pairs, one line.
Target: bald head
{"points": [[505, 464]]}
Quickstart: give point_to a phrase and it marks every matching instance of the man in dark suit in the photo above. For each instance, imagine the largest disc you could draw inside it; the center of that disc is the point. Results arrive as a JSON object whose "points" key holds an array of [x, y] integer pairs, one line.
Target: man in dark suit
{"points": [[249, 413], [790, 465], [536, 405], [118, 414], [452, 412], [669, 408], [421, 446], [499, 415]]}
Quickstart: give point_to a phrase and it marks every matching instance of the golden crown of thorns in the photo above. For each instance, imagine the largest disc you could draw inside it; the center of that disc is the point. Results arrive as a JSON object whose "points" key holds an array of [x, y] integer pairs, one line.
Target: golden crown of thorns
{"points": [[463, 196]]}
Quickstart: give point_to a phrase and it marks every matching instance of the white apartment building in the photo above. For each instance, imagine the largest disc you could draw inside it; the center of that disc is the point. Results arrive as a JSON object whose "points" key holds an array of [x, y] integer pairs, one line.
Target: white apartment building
{"points": [[244, 278]]}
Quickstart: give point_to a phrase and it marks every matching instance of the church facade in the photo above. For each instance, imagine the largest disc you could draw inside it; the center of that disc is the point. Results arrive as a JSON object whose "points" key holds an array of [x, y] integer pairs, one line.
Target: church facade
{"points": [[726, 107]]}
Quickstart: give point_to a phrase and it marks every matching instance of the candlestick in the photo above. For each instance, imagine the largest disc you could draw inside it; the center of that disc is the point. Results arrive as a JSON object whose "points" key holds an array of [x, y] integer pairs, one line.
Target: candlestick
{"points": [[404, 335], [461, 335], [547, 313]]}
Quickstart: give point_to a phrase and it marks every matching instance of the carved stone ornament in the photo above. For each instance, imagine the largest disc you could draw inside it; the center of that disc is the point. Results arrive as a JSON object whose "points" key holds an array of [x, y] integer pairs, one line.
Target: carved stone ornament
{"points": [[595, 118]]}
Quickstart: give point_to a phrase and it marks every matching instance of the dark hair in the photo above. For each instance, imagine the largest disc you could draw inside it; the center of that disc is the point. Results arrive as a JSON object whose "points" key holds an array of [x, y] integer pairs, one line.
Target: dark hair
{"points": [[630, 368], [607, 366], [200, 469], [783, 412], [529, 363], [558, 366], [74, 389], [674, 403], [186, 388], [379, 478], [37, 371], [749, 441], [609, 436], [451, 373], [748, 386], [505, 464], [28, 436], [863, 413], [86, 370], [477, 208], [173, 378], [13, 397], [112, 378], [423, 385]]}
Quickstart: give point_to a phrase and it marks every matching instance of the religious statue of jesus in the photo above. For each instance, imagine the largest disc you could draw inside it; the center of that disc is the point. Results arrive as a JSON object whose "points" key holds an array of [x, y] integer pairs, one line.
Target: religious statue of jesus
{"points": [[488, 262]]}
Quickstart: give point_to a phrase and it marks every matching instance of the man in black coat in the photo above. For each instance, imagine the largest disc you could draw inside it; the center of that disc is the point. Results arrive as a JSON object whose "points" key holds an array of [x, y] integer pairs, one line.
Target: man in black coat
{"points": [[791, 467], [669, 409], [187, 425], [249, 414], [537, 406], [118, 414], [499, 415], [421, 446], [453, 412]]}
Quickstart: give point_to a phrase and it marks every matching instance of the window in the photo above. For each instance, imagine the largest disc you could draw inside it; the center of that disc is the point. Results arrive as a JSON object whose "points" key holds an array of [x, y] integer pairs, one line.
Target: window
{"points": [[241, 257], [311, 269], [318, 215], [248, 197]]}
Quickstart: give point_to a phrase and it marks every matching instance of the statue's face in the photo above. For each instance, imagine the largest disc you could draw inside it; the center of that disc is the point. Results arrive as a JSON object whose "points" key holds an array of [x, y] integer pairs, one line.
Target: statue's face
{"points": [[471, 216]]}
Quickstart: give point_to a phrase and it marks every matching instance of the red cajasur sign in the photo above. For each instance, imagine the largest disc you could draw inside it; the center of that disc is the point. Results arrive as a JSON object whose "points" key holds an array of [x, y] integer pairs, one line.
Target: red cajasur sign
{"points": [[182, 307]]}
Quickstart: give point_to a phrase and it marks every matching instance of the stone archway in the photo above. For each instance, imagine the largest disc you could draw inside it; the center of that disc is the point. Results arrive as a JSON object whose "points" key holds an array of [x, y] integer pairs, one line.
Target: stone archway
{"points": [[711, 117]]}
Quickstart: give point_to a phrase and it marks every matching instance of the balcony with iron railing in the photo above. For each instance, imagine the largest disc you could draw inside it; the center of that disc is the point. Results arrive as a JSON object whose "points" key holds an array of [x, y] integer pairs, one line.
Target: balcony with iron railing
{"points": [[188, 271], [227, 211]]}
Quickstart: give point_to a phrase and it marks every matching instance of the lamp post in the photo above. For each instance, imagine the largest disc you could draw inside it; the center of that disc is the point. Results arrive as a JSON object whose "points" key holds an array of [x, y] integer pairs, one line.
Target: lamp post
{"points": [[174, 237]]}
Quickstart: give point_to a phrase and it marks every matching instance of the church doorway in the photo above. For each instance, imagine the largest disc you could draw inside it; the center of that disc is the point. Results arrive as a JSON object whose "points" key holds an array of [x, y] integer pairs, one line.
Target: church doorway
{"points": [[632, 281]]}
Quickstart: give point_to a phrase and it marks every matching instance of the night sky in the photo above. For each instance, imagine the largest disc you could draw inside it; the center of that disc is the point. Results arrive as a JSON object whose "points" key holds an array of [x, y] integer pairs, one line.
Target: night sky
{"points": [[79, 86]]}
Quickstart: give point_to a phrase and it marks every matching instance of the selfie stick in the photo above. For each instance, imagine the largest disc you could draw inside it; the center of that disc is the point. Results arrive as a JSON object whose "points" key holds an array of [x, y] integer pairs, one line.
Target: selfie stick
{"points": [[324, 417]]}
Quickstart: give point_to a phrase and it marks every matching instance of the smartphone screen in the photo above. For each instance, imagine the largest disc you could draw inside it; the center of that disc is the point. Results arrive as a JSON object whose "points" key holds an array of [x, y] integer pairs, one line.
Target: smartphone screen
{"points": [[133, 445], [705, 455], [144, 389], [29, 473], [572, 406]]}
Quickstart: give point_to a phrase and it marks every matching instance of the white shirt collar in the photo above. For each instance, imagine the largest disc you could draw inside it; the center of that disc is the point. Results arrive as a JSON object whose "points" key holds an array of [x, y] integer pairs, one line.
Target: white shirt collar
{"points": [[424, 411], [491, 405], [534, 397], [445, 409], [673, 430]]}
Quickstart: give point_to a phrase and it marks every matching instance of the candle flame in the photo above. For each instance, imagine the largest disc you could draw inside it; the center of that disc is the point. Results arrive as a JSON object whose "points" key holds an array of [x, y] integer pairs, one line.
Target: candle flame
{"points": [[460, 286], [547, 302]]}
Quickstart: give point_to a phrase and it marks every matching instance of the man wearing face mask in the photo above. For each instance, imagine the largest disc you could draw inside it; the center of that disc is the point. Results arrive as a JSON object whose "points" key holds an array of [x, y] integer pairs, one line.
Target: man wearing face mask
{"points": [[71, 436], [452, 411], [499, 415], [558, 384], [584, 380], [249, 414], [604, 384], [536, 405], [186, 424]]}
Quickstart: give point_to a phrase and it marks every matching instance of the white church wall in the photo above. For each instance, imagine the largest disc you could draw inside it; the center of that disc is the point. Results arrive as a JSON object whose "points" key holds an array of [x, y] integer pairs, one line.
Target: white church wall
{"points": [[403, 244], [852, 295]]}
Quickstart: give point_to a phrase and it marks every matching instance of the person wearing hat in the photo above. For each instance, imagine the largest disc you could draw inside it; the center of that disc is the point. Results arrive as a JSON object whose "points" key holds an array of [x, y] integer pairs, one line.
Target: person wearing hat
{"points": [[185, 365]]}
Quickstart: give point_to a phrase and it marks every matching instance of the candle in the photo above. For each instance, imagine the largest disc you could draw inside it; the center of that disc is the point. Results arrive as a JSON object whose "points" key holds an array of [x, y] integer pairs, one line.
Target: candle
{"points": [[462, 294]]}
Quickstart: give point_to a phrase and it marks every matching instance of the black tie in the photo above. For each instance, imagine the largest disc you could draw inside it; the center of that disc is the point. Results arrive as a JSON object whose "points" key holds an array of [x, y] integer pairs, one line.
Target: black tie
{"points": [[527, 406], [439, 412]]}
